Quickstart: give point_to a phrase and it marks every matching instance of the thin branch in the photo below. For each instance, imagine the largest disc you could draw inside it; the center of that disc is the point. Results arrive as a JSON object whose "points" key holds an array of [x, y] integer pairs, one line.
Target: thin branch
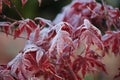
{"points": [[105, 12], [92, 11], [14, 6], [55, 75], [7, 18], [70, 69], [13, 35], [106, 15], [104, 5]]}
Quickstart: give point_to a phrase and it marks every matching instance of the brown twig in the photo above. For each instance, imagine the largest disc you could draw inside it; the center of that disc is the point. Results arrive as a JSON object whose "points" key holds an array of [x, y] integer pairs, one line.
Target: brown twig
{"points": [[14, 6], [92, 11], [70, 69], [105, 12], [106, 15], [7, 18]]}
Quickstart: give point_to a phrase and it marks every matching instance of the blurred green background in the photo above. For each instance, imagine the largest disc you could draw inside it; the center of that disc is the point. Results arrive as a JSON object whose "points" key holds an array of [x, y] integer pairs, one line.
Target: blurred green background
{"points": [[48, 9]]}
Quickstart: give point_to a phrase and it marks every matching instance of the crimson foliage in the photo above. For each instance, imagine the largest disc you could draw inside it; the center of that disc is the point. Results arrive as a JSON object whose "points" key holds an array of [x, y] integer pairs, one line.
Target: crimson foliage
{"points": [[69, 48]]}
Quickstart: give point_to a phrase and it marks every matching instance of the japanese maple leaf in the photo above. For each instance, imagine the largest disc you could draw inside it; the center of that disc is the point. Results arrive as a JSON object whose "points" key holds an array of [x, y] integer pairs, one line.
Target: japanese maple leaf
{"points": [[16, 65], [61, 39], [111, 41], [5, 73], [5, 26], [27, 24], [90, 36], [31, 61], [78, 10], [24, 62], [86, 64]]}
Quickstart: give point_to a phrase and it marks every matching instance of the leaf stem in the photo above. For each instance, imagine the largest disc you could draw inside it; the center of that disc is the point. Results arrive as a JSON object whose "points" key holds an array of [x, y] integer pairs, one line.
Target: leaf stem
{"points": [[70, 69], [7, 18]]}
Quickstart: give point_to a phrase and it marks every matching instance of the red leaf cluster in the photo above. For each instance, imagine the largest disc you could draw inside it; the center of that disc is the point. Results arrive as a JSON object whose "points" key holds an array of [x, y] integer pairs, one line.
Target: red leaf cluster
{"points": [[22, 25], [6, 26], [102, 16], [5, 73], [54, 53], [27, 25], [66, 50], [111, 41]]}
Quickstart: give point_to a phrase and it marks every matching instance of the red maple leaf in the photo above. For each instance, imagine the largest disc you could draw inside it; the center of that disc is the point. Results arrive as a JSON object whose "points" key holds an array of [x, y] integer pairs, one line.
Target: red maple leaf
{"points": [[27, 24], [86, 64], [61, 39], [90, 36], [111, 41], [5, 26]]}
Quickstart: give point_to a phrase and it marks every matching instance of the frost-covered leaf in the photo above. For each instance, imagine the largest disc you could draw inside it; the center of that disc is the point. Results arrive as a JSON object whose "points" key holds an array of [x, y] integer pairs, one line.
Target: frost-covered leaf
{"points": [[15, 64], [5, 26], [111, 41], [39, 55], [5, 73], [90, 39], [43, 21], [84, 65], [24, 65], [29, 47], [35, 35], [27, 25], [78, 10], [90, 36], [61, 39]]}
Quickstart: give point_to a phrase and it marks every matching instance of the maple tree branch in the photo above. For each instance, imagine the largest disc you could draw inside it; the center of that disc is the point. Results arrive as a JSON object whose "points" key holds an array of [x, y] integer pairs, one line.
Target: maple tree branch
{"points": [[13, 35], [70, 70], [107, 17], [92, 11], [7, 18], [105, 12], [14, 6]]}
